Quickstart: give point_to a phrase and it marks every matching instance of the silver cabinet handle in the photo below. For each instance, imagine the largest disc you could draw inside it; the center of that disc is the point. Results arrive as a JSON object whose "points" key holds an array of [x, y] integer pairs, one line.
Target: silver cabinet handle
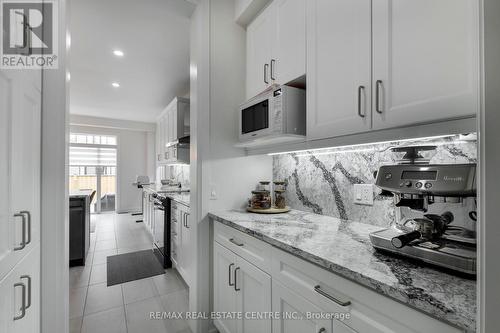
{"points": [[187, 221], [23, 241], [361, 89], [235, 242], [28, 214], [235, 279], [159, 157], [322, 330], [266, 66], [330, 297], [378, 85], [23, 304], [229, 276], [29, 289], [167, 155], [273, 61]]}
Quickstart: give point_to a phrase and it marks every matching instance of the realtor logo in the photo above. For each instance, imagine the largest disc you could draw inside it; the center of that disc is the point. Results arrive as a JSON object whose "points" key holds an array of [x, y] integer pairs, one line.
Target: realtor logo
{"points": [[29, 39]]}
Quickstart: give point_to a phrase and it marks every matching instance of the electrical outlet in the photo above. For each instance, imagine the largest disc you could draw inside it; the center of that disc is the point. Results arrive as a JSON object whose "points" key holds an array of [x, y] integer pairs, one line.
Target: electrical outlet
{"points": [[363, 194], [213, 192]]}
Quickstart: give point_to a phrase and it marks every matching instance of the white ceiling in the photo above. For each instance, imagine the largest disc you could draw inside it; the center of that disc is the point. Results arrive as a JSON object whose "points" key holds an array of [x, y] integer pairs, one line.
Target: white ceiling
{"points": [[153, 34]]}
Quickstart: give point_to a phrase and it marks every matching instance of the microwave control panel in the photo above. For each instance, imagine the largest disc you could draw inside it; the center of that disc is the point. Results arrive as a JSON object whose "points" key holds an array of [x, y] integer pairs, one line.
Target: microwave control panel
{"points": [[277, 114]]}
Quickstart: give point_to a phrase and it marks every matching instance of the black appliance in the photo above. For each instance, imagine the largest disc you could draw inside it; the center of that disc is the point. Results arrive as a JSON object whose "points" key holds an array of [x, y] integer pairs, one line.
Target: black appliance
{"points": [[161, 230]]}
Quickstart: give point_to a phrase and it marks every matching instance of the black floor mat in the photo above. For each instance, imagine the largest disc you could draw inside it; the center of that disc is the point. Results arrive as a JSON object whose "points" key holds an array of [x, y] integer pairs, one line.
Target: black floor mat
{"points": [[132, 266]]}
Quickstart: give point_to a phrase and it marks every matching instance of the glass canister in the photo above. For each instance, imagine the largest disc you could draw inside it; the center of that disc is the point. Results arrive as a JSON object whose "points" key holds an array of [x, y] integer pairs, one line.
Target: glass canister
{"points": [[279, 194], [279, 199], [261, 199]]}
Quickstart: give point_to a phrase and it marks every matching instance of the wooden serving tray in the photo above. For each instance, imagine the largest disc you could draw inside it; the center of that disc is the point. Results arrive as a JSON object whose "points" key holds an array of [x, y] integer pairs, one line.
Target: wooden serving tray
{"points": [[272, 210]]}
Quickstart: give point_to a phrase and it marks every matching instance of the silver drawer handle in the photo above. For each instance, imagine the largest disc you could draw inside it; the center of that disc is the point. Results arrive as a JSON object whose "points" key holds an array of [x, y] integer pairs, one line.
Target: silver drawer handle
{"points": [[23, 303], [361, 89], [378, 85], [330, 297], [229, 276], [23, 242], [29, 289], [235, 279], [235, 242], [29, 224]]}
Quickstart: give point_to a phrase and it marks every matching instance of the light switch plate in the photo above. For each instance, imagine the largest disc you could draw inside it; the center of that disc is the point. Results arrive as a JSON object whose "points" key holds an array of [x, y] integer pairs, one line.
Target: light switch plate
{"points": [[213, 192], [363, 194]]}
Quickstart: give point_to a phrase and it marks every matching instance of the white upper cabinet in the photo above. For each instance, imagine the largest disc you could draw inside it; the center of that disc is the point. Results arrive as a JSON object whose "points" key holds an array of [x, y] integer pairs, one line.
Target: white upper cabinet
{"points": [[289, 61], [338, 67], [425, 60], [376, 64], [172, 124], [276, 45], [261, 40]]}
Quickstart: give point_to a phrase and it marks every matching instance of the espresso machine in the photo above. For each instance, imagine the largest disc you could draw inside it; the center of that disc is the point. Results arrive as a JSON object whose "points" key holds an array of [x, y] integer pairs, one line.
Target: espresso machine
{"points": [[435, 211]]}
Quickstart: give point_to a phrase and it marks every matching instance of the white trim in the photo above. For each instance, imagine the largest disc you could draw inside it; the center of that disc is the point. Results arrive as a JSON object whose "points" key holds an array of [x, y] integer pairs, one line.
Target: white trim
{"points": [[54, 227], [80, 120]]}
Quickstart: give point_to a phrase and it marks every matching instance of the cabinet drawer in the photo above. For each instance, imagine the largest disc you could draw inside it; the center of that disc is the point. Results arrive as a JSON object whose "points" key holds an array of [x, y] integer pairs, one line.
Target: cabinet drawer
{"points": [[247, 247], [369, 311]]}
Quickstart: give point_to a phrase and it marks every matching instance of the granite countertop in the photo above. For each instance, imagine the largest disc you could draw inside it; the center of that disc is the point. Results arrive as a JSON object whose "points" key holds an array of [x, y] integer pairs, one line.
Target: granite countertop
{"points": [[80, 194], [181, 195], [344, 248], [182, 198]]}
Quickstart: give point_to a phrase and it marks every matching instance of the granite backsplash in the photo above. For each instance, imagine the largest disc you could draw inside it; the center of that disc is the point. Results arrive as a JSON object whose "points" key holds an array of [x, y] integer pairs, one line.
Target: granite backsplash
{"points": [[322, 181]]}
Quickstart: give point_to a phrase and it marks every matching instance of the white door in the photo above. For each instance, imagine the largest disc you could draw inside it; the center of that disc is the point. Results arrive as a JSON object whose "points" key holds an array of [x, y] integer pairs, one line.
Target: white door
{"points": [[293, 309], [261, 39], [186, 246], [338, 67], [20, 301], [425, 60], [224, 262], [26, 276], [289, 62], [20, 112], [253, 290]]}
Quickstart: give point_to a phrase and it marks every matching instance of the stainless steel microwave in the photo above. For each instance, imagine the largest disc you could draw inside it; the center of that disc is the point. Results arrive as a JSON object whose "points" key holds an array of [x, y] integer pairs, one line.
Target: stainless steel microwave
{"points": [[278, 112]]}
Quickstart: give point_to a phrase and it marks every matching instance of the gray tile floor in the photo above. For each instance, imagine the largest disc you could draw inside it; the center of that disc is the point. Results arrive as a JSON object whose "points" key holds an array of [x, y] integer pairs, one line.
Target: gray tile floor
{"points": [[96, 308]]}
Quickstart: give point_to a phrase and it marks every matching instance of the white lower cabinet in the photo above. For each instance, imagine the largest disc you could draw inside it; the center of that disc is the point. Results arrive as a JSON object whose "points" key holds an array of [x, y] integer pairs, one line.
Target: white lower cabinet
{"points": [[242, 289], [20, 300], [298, 315], [307, 298], [184, 246]]}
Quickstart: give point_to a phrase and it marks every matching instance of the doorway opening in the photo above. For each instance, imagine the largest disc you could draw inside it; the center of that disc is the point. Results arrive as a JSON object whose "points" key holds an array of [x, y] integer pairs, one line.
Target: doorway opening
{"points": [[92, 166]]}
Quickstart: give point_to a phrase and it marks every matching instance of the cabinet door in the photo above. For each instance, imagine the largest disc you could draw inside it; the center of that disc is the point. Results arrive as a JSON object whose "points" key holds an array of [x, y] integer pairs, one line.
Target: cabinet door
{"points": [[28, 275], [425, 60], [253, 290], [20, 289], [338, 67], [261, 39], [293, 311], [20, 146], [224, 262], [184, 262], [289, 62]]}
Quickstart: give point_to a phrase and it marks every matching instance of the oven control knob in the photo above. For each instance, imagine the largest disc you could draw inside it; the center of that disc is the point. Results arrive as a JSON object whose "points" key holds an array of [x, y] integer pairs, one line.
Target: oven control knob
{"points": [[408, 183], [428, 185], [419, 185]]}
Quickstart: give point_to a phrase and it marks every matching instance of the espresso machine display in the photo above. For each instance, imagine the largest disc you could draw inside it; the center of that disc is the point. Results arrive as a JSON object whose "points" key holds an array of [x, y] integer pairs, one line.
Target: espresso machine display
{"points": [[435, 211]]}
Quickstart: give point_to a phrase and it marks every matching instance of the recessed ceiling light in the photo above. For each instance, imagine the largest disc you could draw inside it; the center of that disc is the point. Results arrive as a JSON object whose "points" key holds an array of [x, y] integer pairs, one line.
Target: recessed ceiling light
{"points": [[115, 84], [118, 53]]}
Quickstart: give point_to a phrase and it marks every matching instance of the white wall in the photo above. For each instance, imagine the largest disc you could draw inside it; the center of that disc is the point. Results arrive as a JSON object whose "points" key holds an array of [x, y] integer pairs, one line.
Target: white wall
{"points": [[217, 88], [135, 156]]}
